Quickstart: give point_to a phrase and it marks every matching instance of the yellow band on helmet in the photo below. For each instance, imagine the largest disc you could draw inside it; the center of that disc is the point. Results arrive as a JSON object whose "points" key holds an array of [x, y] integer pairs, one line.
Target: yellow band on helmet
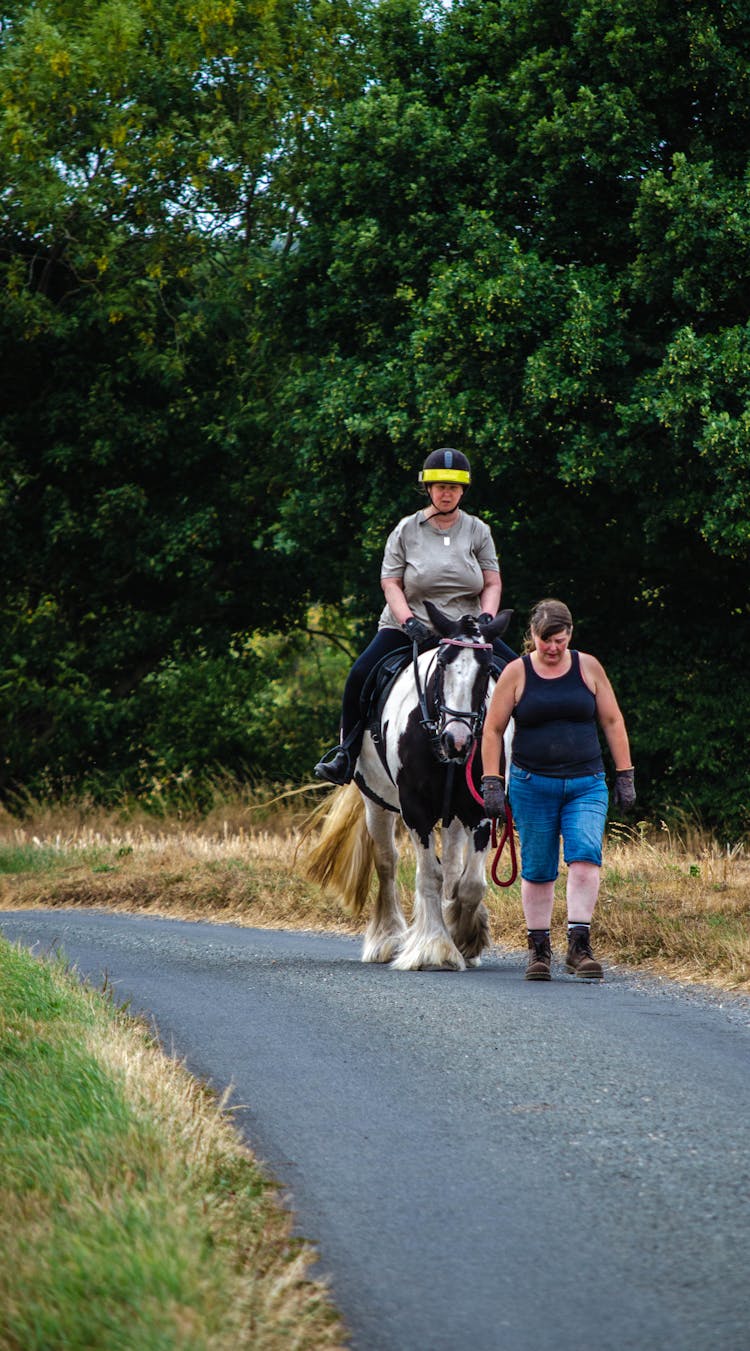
{"points": [[444, 476]]}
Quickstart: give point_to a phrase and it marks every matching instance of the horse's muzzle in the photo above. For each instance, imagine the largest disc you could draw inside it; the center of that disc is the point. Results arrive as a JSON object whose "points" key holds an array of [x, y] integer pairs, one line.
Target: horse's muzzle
{"points": [[456, 742]]}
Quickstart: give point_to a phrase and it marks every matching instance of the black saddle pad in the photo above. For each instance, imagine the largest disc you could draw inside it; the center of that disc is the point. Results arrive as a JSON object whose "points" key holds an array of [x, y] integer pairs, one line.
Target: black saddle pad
{"points": [[379, 681]]}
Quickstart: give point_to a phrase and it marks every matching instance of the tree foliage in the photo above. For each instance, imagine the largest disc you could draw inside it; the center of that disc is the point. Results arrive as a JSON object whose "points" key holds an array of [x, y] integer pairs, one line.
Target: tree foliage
{"points": [[260, 257], [155, 158], [529, 238]]}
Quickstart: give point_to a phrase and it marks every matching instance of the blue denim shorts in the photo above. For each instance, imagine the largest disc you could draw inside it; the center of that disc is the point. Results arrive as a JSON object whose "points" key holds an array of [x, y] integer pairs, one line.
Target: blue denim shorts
{"points": [[545, 808]]}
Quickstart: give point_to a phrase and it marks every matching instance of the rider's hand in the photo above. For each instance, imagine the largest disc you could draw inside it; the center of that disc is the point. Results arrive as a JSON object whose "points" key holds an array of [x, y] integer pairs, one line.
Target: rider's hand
{"points": [[493, 795], [484, 619], [623, 793], [416, 630]]}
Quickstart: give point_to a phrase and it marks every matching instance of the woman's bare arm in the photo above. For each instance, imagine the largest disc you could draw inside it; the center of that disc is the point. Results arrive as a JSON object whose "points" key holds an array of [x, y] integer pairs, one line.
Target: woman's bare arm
{"points": [[504, 699]]}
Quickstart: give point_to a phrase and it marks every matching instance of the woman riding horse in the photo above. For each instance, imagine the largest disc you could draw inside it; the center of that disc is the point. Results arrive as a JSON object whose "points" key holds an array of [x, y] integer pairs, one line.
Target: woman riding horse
{"points": [[441, 554], [418, 762]]}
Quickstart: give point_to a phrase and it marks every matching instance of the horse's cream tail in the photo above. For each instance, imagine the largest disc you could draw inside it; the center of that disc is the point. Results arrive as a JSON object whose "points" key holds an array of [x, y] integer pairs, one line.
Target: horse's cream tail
{"points": [[341, 859]]}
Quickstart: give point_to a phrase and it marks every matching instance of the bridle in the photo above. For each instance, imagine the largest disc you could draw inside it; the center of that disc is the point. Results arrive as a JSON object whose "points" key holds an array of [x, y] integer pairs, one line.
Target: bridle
{"points": [[473, 720], [434, 724]]}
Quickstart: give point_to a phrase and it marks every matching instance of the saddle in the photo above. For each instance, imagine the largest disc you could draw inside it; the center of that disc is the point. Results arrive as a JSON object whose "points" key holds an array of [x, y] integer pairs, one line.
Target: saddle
{"points": [[378, 685]]}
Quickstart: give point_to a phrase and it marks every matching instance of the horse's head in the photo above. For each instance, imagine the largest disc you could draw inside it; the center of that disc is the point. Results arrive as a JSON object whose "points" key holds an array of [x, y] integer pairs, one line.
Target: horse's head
{"points": [[458, 688]]}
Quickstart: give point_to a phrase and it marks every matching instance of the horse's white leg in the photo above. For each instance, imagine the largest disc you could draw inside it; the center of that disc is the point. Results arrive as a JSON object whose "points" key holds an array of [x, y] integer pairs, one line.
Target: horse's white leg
{"points": [[387, 924], [467, 917], [452, 853], [427, 944]]}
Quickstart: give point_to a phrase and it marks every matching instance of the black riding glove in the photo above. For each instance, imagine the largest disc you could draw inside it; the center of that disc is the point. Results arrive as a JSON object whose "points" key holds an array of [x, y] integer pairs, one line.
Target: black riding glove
{"points": [[623, 793], [493, 795], [416, 630], [484, 619]]}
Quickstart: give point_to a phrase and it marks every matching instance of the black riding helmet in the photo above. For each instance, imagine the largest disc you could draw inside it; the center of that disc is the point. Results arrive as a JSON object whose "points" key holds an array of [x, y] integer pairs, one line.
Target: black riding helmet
{"points": [[446, 466]]}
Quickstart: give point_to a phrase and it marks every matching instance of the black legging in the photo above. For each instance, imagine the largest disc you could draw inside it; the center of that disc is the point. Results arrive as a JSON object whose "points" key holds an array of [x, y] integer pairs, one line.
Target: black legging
{"points": [[384, 642]]}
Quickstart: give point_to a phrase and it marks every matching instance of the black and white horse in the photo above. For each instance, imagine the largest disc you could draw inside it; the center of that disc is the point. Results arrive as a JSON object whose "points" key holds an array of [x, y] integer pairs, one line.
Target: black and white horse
{"points": [[418, 762]]}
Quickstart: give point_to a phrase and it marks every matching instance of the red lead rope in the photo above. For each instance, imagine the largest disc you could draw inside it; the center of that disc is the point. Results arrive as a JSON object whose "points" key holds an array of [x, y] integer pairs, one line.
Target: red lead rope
{"points": [[507, 836]]}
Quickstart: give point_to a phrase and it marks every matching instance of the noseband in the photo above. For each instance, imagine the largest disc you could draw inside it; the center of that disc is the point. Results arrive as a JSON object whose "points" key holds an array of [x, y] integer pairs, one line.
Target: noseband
{"points": [[472, 719]]}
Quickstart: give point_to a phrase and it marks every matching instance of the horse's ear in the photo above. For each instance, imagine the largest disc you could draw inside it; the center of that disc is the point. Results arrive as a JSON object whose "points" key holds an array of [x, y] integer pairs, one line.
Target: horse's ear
{"points": [[498, 625], [440, 622]]}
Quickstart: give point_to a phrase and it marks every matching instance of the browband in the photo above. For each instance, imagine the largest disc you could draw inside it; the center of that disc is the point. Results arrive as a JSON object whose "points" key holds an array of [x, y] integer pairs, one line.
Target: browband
{"points": [[463, 642]]}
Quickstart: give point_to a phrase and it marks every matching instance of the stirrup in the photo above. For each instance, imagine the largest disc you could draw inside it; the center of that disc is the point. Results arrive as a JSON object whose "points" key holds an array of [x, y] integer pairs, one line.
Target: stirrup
{"points": [[344, 771]]}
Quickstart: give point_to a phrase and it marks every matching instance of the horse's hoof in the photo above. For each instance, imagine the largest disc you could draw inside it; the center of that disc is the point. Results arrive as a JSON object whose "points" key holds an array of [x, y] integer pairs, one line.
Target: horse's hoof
{"points": [[381, 949], [400, 964]]}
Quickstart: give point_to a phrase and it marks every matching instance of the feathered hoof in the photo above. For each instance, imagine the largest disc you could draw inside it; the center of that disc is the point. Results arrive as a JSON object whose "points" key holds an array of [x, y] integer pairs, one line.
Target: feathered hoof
{"points": [[470, 930], [436, 954], [381, 947]]}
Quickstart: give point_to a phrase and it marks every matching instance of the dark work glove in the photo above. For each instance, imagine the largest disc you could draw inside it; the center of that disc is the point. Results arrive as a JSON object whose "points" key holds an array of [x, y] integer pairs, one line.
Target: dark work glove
{"points": [[484, 619], [416, 630], [493, 795], [623, 793]]}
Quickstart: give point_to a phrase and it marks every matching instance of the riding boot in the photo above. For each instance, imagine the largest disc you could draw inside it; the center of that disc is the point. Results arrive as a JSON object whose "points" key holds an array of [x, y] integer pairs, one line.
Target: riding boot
{"points": [[337, 765], [540, 957], [339, 769]]}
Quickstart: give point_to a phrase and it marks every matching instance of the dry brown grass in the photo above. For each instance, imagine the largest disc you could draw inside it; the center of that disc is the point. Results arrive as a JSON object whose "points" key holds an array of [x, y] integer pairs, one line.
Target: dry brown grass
{"points": [[677, 904], [223, 867]]}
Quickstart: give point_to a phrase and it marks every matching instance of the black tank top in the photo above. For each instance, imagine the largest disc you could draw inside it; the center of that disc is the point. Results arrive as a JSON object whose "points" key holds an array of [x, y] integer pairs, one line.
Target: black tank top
{"points": [[555, 731]]}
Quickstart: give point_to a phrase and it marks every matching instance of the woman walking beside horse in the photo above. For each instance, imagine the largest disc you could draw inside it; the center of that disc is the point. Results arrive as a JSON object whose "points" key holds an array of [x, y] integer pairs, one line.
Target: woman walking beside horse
{"points": [[557, 786], [440, 554]]}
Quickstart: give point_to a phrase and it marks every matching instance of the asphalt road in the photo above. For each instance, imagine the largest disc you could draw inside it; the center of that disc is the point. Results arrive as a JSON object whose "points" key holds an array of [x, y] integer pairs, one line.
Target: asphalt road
{"points": [[484, 1164]]}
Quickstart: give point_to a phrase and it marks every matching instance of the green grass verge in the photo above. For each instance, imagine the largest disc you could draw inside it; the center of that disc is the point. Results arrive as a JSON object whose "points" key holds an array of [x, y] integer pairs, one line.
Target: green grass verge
{"points": [[28, 858], [131, 1216]]}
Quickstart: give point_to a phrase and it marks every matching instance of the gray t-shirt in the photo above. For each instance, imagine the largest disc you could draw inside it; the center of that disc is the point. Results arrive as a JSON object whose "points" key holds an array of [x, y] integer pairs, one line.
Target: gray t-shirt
{"points": [[444, 566]]}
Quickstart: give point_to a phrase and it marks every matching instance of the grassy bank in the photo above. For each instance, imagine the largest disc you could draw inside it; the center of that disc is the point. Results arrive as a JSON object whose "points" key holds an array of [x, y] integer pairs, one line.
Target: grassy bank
{"points": [[131, 1217], [672, 902]]}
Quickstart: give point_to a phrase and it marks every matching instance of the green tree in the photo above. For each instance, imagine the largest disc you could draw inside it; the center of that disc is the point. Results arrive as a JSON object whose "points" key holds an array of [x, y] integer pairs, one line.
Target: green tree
{"points": [[529, 237], [154, 157], [259, 258]]}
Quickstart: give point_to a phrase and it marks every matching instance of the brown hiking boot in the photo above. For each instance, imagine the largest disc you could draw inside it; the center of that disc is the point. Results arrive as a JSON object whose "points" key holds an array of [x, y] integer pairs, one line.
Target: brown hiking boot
{"points": [[580, 960], [540, 958]]}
